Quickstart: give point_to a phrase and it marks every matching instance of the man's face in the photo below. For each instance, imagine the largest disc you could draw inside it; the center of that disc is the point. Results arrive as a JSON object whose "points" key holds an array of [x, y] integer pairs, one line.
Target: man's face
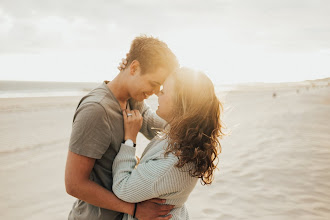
{"points": [[144, 85]]}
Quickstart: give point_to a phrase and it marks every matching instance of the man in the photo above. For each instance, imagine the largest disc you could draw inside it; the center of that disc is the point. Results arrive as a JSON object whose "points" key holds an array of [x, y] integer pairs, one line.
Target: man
{"points": [[98, 132]]}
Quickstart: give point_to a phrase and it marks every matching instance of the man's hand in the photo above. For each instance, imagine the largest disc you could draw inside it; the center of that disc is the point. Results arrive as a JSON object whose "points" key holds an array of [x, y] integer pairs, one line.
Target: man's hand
{"points": [[153, 209]]}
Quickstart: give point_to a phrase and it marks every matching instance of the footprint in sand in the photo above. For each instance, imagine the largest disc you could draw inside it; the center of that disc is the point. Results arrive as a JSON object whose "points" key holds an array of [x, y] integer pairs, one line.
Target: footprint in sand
{"points": [[211, 211]]}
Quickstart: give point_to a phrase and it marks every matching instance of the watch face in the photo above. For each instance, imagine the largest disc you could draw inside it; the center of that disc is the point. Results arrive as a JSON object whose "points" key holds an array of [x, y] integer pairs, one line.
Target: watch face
{"points": [[129, 142]]}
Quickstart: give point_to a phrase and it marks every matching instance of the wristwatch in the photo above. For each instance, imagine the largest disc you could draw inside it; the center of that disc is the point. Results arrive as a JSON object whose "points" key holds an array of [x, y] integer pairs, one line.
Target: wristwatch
{"points": [[129, 142]]}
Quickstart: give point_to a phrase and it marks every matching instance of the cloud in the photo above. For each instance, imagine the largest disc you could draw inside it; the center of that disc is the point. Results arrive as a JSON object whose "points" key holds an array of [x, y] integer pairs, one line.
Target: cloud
{"points": [[290, 25], [34, 25]]}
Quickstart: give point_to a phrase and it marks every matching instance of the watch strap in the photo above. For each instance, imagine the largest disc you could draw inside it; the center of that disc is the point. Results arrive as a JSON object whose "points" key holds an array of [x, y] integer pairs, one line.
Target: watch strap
{"points": [[129, 142]]}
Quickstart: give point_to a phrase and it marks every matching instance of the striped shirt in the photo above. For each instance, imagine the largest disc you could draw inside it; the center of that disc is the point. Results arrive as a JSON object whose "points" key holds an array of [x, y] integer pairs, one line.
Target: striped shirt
{"points": [[156, 176]]}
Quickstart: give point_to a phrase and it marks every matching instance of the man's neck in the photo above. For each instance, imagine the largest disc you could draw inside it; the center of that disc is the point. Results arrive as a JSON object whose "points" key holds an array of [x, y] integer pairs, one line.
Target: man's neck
{"points": [[119, 89]]}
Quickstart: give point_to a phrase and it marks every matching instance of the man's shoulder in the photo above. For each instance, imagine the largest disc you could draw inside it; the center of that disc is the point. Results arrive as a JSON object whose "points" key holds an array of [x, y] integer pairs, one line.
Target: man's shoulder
{"points": [[98, 97]]}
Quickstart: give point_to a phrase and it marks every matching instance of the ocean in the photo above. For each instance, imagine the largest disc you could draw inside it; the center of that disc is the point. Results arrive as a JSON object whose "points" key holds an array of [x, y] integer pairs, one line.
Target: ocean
{"points": [[18, 89]]}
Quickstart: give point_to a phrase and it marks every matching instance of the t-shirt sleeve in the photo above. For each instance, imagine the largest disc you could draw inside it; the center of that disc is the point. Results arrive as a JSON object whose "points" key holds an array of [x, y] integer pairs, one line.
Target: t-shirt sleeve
{"points": [[91, 132]]}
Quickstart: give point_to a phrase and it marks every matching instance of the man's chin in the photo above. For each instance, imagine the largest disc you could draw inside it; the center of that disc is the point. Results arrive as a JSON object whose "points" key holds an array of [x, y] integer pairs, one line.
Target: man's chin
{"points": [[144, 96], [139, 98]]}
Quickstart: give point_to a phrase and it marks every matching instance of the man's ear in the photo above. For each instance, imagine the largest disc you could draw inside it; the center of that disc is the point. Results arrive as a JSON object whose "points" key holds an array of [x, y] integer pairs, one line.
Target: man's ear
{"points": [[134, 67]]}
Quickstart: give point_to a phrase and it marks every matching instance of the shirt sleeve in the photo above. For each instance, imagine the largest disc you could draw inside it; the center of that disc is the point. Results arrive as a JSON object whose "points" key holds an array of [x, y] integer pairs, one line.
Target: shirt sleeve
{"points": [[91, 134], [138, 184], [151, 121]]}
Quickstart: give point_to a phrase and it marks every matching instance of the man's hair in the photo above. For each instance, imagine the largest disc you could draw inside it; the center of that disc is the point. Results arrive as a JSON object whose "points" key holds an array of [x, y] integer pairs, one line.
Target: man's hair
{"points": [[151, 54]]}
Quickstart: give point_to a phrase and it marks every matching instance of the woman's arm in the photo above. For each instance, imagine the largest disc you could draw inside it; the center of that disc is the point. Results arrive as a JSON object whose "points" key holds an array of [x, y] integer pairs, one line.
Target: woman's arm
{"points": [[136, 185], [79, 185], [141, 183]]}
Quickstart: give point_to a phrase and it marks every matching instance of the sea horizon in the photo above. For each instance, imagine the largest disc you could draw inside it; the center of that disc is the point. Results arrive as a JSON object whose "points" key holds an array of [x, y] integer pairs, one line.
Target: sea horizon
{"points": [[24, 88]]}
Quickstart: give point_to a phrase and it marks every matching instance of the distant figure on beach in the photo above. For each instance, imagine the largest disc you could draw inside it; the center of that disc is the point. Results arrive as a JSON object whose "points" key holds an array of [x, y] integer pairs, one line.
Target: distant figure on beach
{"points": [[274, 95], [98, 132]]}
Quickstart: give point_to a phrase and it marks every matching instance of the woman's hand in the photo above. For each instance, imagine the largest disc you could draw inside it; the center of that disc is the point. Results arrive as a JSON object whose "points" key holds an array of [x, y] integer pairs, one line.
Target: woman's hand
{"points": [[122, 64], [132, 124]]}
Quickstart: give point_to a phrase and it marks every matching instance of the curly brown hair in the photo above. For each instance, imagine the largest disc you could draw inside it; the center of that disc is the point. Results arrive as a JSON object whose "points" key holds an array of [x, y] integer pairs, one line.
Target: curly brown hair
{"points": [[151, 53], [195, 127]]}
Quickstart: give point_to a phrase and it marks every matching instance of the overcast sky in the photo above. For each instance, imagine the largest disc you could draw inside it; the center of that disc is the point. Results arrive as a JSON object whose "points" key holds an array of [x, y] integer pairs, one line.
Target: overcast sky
{"points": [[230, 40]]}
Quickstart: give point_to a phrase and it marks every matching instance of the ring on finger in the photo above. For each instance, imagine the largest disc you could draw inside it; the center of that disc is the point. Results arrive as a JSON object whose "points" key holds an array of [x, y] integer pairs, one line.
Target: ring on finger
{"points": [[129, 114]]}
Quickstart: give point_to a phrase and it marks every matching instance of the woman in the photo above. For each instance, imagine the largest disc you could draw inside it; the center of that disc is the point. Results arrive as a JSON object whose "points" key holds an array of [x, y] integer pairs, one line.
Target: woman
{"points": [[187, 150]]}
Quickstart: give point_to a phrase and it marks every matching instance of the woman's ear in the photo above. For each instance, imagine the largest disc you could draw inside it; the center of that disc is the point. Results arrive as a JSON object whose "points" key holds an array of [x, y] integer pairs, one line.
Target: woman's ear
{"points": [[134, 67]]}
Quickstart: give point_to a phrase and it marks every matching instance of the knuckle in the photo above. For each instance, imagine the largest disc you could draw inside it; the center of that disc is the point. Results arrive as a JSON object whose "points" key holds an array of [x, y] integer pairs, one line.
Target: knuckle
{"points": [[167, 209]]}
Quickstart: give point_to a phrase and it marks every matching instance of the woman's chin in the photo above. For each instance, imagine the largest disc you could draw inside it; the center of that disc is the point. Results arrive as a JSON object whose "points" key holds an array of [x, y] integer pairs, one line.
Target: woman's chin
{"points": [[160, 115], [157, 112]]}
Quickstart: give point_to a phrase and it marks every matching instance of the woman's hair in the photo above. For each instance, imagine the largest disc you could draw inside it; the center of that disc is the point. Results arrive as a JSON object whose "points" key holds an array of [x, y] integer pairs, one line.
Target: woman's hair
{"points": [[195, 124]]}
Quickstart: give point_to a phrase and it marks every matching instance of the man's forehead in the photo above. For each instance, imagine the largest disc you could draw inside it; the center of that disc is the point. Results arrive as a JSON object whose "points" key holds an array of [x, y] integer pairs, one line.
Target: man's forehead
{"points": [[158, 77]]}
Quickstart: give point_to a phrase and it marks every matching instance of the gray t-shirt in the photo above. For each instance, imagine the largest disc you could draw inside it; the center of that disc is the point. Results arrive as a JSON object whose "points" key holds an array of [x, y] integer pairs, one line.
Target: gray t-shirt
{"points": [[97, 132]]}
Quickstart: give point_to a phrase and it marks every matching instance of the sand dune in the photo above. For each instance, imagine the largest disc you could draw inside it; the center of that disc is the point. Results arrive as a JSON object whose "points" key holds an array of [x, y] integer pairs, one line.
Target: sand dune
{"points": [[274, 165]]}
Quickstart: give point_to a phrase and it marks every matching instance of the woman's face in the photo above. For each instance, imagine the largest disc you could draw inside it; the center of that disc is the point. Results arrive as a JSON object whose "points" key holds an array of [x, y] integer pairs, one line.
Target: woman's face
{"points": [[165, 100]]}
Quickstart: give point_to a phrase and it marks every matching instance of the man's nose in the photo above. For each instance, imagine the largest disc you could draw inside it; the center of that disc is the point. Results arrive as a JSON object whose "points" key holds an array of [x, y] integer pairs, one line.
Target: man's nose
{"points": [[156, 90]]}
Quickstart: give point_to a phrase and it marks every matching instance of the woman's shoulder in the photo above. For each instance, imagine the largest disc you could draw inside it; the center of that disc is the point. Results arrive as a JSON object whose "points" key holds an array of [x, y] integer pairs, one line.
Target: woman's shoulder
{"points": [[157, 150]]}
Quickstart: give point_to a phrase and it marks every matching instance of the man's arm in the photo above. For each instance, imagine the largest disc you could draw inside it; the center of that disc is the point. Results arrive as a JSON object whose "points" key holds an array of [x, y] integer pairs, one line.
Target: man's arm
{"points": [[79, 185], [90, 138], [150, 119]]}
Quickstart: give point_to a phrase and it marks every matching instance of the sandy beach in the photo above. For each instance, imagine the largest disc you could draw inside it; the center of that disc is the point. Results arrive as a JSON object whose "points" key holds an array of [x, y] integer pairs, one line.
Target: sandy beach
{"points": [[274, 165]]}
